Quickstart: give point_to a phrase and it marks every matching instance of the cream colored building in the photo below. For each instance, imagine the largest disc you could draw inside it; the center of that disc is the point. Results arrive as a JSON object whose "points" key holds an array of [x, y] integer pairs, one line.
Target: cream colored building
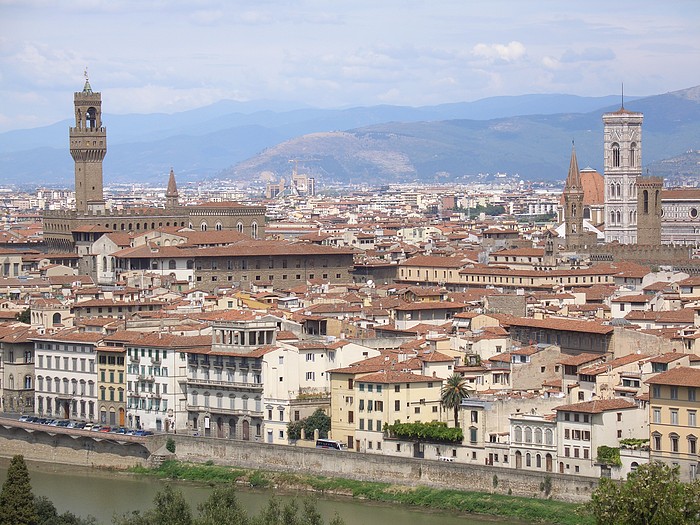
{"points": [[673, 419]]}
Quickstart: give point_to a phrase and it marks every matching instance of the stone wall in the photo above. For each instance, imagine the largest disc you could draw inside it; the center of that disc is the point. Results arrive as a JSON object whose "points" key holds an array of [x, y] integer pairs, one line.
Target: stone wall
{"points": [[403, 471], [89, 452], [65, 449]]}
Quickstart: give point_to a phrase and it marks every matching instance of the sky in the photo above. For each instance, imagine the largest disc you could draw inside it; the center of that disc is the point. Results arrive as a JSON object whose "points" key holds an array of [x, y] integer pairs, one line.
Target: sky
{"points": [[151, 56]]}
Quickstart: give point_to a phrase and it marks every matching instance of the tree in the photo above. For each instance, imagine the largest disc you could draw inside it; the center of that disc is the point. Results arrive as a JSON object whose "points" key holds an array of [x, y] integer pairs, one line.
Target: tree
{"points": [[171, 508], [222, 506], [453, 391], [25, 316], [318, 420], [48, 515], [16, 498], [652, 495]]}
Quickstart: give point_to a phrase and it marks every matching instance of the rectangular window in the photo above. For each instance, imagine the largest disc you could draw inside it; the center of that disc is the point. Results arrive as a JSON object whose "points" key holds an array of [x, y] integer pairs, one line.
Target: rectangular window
{"points": [[655, 391], [691, 394], [656, 415], [674, 417], [692, 418], [362, 424], [674, 392], [397, 405]]}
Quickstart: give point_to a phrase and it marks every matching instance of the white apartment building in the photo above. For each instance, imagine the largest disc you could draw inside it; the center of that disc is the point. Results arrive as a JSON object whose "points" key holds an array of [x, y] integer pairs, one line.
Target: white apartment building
{"points": [[156, 376], [583, 427], [66, 374]]}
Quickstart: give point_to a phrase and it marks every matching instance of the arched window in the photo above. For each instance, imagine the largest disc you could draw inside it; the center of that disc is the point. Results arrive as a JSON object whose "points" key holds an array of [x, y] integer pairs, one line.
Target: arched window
{"points": [[615, 155], [538, 461], [254, 230], [27, 382], [633, 154], [218, 226], [618, 217], [587, 213], [548, 437], [239, 227], [104, 264], [518, 434], [656, 200], [528, 435], [203, 226], [528, 460], [190, 264], [11, 382], [538, 435], [56, 319], [171, 264]]}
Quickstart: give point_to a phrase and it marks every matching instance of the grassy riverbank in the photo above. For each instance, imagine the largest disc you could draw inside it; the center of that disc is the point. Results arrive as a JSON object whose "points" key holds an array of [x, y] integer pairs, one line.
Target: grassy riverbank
{"points": [[526, 509]]}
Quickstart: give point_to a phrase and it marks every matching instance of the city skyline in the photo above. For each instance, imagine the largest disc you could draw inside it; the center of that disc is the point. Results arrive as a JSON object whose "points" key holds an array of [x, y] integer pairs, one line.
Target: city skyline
{"points": [[309, 53]]}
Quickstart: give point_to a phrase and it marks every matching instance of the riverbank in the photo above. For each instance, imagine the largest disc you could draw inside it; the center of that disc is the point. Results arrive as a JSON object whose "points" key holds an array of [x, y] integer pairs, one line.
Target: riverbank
{"points": [[533, 510]]}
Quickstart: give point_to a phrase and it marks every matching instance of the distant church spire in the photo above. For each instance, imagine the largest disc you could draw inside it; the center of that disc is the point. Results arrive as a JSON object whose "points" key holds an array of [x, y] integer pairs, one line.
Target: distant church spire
{"points": [[171, 194], [573, 179], [573, 204]]}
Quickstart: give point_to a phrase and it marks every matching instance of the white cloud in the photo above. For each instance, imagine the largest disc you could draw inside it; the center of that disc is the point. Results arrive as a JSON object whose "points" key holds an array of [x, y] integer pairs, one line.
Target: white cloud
{"points": [[508, 53]]}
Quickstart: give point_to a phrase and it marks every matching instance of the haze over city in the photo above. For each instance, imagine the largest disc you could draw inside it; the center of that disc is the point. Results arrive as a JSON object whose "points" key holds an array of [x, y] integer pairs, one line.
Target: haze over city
{"points": [[154, 56]]}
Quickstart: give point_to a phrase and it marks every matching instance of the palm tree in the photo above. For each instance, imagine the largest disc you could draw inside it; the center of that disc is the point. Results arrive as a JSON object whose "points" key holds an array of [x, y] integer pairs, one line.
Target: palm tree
{"points": [[453, 391]]}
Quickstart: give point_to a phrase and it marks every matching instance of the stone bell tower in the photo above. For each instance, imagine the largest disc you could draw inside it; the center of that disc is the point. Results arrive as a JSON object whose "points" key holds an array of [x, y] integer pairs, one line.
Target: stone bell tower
{"points": [[88, 146], [573, 204]]}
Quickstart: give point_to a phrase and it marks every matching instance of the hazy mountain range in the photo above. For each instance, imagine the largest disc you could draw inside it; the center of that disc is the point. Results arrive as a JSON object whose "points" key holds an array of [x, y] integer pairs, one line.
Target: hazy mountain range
{"points": [[530, 135]]}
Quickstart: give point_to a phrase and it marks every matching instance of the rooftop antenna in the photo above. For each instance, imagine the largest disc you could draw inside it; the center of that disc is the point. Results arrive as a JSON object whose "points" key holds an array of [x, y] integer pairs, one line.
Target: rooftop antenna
{"points": [[623, 95]]}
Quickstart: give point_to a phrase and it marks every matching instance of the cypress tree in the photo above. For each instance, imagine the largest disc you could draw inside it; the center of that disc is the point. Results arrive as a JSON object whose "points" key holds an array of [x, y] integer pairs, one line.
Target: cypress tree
{"points": [[16, 498]]}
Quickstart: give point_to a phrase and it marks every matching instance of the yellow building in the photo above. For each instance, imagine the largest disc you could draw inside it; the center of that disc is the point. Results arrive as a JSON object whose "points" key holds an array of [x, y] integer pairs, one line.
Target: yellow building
{"points": [[673, 419], [111, 385], [369, 394]]}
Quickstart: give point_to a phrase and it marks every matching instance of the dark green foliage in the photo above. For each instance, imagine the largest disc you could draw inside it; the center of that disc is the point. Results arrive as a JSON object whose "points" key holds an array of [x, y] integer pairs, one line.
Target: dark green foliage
{"points": [[258, 479], [609, 456], [453, 391], [171, 508], [652, 495], [434, 431], [222, 507], [48, 515], [170, 445], [318, 420], [16, 498], [25, 316]]}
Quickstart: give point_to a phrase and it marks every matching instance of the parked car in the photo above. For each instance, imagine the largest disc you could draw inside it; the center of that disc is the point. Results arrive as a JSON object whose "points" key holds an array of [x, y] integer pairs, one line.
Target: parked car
{"points": [[25, 418], [143, 433], [96, 428], [79, 424], [106, 428], [88, 426], [63, 423]]}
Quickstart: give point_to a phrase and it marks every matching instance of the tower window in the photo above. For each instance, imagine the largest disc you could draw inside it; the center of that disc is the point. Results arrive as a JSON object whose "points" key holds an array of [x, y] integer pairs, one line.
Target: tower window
{"points": [[633, 153], [646, 201], [616, 155]]}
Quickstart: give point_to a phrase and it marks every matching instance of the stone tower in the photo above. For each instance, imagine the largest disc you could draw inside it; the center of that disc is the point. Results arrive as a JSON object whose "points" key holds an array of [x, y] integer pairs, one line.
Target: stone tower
{"points": [[622, 162], [171, 195], [649, 210], [88, 146], [573, 204]]}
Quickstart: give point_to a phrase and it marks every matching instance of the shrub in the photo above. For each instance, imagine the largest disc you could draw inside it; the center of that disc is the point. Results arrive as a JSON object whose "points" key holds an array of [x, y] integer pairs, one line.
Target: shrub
{"points": [[433, 431], [170, 445]]}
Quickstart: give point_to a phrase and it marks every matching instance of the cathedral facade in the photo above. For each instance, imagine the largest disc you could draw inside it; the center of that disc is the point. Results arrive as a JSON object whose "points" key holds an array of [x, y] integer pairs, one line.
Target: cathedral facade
{"points": [[64, 229]]}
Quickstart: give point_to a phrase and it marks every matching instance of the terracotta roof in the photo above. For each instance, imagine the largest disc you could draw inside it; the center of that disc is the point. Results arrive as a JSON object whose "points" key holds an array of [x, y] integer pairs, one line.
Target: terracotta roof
{"points": [[580, 359], [434, 261], [561, 324], [597, 406], [396, 376], [679, 376], [666, 358]]}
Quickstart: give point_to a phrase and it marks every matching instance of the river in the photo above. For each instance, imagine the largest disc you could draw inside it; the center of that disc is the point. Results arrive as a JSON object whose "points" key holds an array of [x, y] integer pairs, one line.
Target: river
{"points": [[86, 491]]}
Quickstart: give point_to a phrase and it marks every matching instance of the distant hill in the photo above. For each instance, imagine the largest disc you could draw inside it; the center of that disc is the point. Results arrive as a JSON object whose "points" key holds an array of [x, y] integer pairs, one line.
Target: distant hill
{"points": [[529, 135]]}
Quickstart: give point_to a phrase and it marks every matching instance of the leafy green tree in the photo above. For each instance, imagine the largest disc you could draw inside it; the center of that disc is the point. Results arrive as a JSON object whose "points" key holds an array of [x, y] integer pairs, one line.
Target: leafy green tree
{"points": [[16, 498], [453, 391], [48, 515], [171, 508], [652, 495], [25, 316], [222, 506], [294, 429], [318, 420]]}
